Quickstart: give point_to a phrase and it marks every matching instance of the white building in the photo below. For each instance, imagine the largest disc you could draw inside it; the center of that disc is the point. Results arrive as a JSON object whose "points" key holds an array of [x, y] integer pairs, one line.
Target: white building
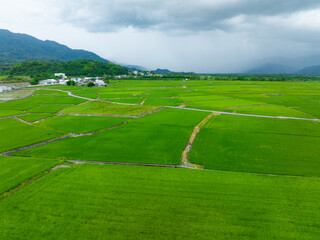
{"points": [[49, 82], [62, 75], [99, 83]]}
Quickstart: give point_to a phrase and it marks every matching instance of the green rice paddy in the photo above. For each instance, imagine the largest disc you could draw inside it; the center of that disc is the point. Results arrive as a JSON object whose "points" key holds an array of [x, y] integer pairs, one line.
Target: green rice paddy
{"points": [[260, 176], [129, 202]]}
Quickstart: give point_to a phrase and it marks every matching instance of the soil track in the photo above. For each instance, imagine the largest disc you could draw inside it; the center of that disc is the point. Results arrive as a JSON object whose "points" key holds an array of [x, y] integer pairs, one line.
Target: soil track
{"points": [[184, 157]]}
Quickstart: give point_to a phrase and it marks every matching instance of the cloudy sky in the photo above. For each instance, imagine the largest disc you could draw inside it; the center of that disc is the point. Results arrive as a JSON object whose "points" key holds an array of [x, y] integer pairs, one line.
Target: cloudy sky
{"points": [[181, 35]]}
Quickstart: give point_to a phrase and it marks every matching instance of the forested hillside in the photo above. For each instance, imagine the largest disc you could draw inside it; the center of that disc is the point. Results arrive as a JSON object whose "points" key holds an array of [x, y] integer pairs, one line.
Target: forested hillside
{"points": [[83, 67], [15, 47]]}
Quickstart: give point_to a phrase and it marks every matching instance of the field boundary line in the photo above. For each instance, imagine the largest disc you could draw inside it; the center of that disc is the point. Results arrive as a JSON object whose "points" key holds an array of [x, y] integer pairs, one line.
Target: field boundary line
{"points": [[23, 121], [96, 115], [185, 154], [14, 116], [78, 162]]}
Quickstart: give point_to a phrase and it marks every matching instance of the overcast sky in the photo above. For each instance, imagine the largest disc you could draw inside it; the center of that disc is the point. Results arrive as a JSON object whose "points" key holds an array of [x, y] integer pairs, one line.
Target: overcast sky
{"points": [[181, 35]]}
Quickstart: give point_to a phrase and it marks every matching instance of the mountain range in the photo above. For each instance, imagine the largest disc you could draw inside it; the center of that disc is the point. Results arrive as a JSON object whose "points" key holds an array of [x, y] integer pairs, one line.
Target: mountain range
{"points": [[16, 47]]}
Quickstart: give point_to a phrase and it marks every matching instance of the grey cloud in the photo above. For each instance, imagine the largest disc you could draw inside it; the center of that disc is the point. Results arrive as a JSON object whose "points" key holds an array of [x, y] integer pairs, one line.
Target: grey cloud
{"points": [[202, 15]]}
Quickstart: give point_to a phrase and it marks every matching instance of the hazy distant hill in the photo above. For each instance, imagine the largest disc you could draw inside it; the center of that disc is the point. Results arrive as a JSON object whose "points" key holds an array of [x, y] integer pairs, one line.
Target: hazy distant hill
{"points": [[272, 68], [135, 67], [15, 47], [313, 70], [162, 71]]}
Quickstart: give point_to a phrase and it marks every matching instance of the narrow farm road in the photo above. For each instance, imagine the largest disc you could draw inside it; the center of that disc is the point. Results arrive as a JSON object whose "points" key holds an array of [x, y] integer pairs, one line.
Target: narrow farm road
{"points": [[243, 114]]}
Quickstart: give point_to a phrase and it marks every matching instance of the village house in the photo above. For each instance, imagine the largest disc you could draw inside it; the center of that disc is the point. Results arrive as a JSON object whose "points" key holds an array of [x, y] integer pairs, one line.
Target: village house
{"points": [[49, 82], [62, 75], [99, 83]]}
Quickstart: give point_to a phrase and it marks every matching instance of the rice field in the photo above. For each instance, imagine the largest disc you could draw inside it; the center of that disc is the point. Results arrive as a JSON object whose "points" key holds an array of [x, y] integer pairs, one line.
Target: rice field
{"points": [[256, 177], [130, 202]]}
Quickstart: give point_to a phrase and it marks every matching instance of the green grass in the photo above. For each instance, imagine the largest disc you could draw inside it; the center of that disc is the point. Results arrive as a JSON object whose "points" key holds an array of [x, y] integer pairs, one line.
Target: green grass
{"points": [[128, 202], [48, 108], [15, 134], [80, 124], [16, 170], [35, 117], [259, 145], [131, 143], [110, 109]]}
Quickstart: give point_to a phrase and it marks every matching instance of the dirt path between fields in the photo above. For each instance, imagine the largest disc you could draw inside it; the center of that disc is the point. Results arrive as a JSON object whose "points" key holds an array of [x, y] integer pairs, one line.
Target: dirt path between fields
{"points": [[23, 121], [77, 162], [243, 114], [96, 115], [184, 157], [144, 100]]}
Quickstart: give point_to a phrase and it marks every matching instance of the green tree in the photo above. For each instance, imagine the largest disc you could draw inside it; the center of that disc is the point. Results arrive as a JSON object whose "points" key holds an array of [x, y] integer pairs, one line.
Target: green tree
{"points": [[90, 84], [71, 83]]}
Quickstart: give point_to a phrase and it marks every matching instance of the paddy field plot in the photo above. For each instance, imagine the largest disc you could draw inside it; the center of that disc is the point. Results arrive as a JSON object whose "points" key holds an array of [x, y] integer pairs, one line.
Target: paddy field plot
{"points": [[164, 102], [80, 124], [35, 117], [110, 109], [50, 92], [275, 146], [23, 104], [15, 170], [130, 202], [272, 110], [7, 113], [130, 143], [15, 134], [175, 117], [64, 100], [48, 108], [124, 100]]}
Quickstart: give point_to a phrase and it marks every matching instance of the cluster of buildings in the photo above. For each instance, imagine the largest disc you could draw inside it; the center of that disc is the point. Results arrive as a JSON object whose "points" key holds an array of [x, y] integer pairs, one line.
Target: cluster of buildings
{"points": [[98, 81], [136, 74]]}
